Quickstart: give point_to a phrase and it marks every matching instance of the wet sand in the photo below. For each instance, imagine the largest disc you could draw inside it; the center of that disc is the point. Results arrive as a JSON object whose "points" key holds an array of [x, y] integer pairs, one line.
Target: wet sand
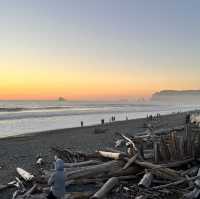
{"points": [[21, 151]]}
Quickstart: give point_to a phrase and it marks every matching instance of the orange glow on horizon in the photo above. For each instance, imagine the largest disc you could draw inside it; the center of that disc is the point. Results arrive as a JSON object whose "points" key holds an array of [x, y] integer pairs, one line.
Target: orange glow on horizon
{"points": [[21, 79]]}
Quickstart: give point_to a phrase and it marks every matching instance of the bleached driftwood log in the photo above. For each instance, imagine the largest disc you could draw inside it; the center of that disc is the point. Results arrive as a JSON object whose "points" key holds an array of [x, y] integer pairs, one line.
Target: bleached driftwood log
{"points": [[146, 180], [24, 174], [111, 155], [107, 187], [175, 183], [130, 161], [93, 171]]}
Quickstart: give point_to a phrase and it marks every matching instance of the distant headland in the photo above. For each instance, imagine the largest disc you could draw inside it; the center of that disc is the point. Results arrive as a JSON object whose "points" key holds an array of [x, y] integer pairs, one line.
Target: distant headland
{"points": [[177, 96]]}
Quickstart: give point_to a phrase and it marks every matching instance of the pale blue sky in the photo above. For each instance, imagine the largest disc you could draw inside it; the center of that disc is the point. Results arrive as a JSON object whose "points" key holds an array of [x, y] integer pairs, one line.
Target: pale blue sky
{"points": [[157, 38]]}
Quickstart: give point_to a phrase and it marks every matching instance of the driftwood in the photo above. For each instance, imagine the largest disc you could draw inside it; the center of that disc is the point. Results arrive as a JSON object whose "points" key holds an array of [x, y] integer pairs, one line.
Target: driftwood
{"points": [[141, 197], [78, 195], [159, 171], [93, 171], [24, 174], [191, 172], [107, 187], [175, 183], [111, 155], [82, 164], [146, 180], [130, 141], [35, 196], [6, 186], [167, 130], [130, 161], [177, 163], [30, 191], [196, 191]]}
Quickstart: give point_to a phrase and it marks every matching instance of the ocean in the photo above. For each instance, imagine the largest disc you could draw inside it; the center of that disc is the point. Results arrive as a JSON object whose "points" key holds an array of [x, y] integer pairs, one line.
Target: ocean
{"points": [[21, 117]]}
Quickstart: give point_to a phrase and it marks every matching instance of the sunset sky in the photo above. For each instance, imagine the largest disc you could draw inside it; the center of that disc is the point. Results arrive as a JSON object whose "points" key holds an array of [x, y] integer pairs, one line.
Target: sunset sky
{"points": [[98, 49]]}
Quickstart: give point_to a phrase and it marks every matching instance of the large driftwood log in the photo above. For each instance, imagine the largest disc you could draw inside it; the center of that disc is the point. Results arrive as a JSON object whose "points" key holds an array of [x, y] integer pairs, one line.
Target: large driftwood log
{"points": [[111, 155], [35, 196], [168, 130], [25, 174], [93, 171], [176, 183], [190, 172], [130, 161], [82, 164], [104, 170], [159, 171], [107, 187]]}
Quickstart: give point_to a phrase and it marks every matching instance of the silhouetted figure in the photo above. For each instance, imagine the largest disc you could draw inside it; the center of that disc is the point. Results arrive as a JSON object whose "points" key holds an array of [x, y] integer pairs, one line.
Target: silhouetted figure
{"points": [[81, 123], [102, 121]]}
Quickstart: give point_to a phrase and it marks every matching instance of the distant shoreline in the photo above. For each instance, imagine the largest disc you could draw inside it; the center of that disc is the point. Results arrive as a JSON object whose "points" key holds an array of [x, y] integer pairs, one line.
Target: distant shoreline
{"points": [[107, 124], [29, 134]]}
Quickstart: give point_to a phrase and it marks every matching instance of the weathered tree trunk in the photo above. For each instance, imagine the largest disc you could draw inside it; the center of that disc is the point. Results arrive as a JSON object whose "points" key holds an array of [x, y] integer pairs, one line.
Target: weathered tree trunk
{"points": [[30, 191], [130, 161], [177, 163], [107, 187], [175, 183], [167, 130], [93, 171], [82, 164], [24, 174], [35, 196], [3, 187], [159, 171]]}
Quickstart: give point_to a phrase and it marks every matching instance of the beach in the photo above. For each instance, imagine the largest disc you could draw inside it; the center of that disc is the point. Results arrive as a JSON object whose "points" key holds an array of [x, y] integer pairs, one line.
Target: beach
{"points": [[21, 151]]}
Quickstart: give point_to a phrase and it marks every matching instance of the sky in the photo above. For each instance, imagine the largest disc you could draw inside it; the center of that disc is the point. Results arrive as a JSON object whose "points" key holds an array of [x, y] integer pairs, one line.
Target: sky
{"points": [[98, 49]]}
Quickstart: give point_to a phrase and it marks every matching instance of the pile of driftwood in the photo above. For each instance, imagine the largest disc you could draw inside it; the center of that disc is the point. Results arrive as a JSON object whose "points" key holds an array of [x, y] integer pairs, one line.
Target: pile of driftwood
{"points": [[158, 164]]}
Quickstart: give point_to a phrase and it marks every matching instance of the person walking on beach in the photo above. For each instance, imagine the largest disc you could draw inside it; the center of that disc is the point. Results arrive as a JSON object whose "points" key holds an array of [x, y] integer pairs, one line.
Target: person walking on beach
{"points": [[57, 181]]}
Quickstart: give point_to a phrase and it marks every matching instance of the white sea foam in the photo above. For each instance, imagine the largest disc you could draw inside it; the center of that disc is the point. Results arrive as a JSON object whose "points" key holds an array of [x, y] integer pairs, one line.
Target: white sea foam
{"points": [[19, 117]]}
